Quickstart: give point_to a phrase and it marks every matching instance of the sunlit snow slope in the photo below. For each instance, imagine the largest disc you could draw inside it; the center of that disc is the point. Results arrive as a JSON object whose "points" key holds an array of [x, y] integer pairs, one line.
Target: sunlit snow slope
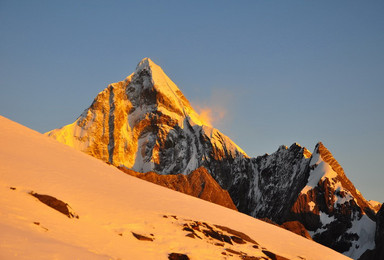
{"points": [[112, 207]]}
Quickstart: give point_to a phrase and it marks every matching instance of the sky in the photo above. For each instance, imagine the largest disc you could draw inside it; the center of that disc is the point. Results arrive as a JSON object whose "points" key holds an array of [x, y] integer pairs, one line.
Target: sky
{"points": [[271, 72]]}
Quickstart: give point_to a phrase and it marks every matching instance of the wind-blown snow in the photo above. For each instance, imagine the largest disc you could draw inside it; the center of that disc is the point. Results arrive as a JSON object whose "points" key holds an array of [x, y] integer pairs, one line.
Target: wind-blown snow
{"points": [[110, 205]]}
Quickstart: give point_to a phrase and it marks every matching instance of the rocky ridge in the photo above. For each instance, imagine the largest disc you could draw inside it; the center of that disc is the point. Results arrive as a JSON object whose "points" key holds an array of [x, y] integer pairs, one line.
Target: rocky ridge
{"points": [[199, 183]]}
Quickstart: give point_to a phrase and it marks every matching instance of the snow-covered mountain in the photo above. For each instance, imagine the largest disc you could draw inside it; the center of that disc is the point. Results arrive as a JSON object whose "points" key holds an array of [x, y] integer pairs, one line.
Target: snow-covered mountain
{"points": [[293, 184], [59, 203], [332, 209], [145, 123]]}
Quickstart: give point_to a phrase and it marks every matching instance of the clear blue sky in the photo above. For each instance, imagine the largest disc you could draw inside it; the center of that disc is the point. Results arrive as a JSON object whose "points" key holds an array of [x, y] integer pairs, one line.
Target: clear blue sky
{"points": [[284, 71]]}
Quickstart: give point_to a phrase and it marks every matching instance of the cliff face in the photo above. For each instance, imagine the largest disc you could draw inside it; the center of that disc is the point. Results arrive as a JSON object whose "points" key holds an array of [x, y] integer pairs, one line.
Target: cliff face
{"points": [[378, 251], [144, 123], [379, 236]]}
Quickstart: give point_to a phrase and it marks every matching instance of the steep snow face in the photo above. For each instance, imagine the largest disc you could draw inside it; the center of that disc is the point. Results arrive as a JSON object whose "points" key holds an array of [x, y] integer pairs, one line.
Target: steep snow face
{"points": [[145, 123], [332, 209], [119, 216]]}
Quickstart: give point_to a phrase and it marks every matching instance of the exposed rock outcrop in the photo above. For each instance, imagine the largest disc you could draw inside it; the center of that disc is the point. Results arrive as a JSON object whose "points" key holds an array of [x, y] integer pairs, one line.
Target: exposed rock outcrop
{"points": [[297, 228], [198, 183], [56, 204]]}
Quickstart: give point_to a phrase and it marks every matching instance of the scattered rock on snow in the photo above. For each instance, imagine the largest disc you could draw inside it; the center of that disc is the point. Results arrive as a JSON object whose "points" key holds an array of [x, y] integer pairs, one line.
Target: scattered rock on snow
{"points": [[273, 256], [220, 236], [237, 234], [38, 224], [177, 256], [237, 240], [233, 251], [56, 204], [141, 237]]}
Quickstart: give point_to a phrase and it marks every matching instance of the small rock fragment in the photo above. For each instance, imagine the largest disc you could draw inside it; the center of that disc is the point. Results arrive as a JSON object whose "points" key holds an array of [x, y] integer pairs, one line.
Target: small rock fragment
{"points": [[273, 256], [177, 256], [191, 235], [237, 240], [141, 237], [233, 251]]}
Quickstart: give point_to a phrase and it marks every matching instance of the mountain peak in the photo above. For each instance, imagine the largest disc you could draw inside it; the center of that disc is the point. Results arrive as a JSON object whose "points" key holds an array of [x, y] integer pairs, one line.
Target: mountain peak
{"points": [[150, 80], [327, 156], [150, 126], [145, 63]]}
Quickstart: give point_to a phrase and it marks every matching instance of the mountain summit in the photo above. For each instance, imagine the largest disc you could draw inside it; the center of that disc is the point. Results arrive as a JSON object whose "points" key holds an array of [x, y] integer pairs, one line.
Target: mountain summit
{"points": [[144, 123]]}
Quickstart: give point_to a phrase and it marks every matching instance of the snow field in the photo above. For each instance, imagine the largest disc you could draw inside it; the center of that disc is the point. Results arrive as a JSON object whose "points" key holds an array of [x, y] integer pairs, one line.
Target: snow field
{"points": [[111, 205]]}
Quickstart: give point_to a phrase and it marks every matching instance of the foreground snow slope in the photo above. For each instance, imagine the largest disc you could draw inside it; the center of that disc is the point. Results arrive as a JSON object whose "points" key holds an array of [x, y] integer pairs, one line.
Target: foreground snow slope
{"points": [[111, 205]]}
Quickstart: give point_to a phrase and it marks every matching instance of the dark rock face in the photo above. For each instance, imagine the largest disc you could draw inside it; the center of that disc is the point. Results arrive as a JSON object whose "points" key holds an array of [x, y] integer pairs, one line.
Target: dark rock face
{"points": [[379, 236], [198, 183], [282, 175], [257, 185], [378, 252]]}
